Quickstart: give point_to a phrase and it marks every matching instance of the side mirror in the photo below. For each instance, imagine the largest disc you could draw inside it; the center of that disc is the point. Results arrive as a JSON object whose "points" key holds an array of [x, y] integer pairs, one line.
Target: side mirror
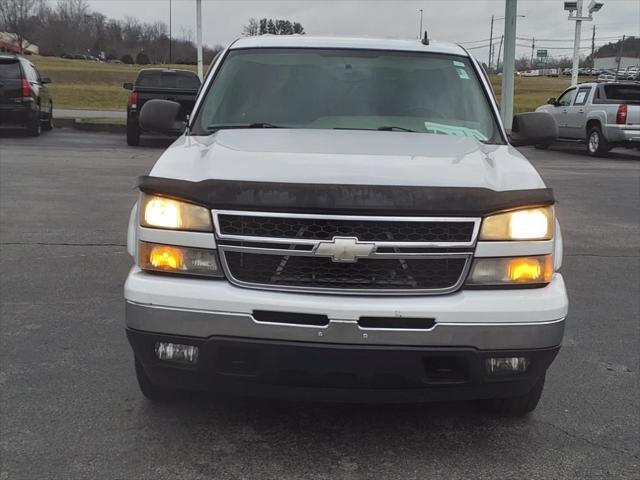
{"points": [[552, 101], [533, 128], [127, 86], [163, 116], [45, 80]]}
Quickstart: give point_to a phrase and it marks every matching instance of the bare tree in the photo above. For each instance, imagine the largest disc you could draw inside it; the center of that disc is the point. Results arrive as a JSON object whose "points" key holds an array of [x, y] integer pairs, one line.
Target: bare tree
{"points": [[250, 29], [16, 15]]}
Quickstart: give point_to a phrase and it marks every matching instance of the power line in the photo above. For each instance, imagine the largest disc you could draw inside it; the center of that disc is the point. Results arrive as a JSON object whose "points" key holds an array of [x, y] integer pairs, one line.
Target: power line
{"points": [[567, 40], [474, 41]]}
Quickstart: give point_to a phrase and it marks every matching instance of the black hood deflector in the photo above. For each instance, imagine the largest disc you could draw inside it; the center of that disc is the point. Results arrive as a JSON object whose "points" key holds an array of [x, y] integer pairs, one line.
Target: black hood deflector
{"points": [[345, 199]]}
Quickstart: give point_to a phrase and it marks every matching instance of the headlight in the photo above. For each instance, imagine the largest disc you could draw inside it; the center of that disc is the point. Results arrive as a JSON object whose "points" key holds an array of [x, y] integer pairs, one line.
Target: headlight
{"points": [[162, 212], [529, 224], [511, 271], [174, 259]]}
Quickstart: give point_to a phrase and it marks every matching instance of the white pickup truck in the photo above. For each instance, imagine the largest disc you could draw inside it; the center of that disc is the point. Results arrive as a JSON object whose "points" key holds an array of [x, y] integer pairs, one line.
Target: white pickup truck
{"points": [[603, 115], [346, 219]]}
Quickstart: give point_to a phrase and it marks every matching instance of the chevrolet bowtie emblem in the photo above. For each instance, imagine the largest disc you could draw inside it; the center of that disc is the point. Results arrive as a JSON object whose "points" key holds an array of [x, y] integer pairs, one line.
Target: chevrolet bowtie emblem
{"points": [[344, 249]]}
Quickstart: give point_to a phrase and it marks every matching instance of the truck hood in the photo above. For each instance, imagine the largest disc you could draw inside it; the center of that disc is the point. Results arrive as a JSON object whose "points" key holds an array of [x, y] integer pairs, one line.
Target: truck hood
{"points": [[347, 157]]}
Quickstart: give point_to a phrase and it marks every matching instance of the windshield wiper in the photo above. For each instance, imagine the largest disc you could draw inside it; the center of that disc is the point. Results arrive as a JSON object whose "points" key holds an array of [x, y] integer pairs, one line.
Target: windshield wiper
{"points": [[243, 125], [392, 128]]}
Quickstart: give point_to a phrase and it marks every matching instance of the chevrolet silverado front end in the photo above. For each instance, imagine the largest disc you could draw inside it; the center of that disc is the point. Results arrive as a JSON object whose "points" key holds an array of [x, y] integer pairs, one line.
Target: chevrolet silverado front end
{"points": [[345, 219]]}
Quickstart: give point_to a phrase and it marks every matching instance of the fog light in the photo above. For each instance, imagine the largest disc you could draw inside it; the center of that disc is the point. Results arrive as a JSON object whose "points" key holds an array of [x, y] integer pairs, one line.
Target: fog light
{"points": [[506, 365], [174, 352]]}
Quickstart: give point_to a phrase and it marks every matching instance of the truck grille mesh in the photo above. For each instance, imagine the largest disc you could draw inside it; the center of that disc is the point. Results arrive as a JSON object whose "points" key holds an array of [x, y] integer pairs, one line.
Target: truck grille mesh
{"points": [[366, 274], [364, 230]]}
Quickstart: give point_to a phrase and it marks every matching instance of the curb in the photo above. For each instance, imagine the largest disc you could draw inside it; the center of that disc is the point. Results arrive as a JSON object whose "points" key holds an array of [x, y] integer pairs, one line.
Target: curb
{"points": [[88, 127]]}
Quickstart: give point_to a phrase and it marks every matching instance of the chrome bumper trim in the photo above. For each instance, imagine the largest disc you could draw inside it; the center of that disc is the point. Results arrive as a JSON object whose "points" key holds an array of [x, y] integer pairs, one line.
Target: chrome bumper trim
{"points": [[483, 336]]}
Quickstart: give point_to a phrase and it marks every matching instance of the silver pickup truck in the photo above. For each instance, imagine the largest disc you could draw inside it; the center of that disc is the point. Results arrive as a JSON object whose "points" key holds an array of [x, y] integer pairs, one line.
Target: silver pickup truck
{"points": [[604, 115]]}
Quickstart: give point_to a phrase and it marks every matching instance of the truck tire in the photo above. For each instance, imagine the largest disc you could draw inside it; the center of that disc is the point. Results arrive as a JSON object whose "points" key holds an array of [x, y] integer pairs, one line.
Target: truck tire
{"points": [[153, 392], [597, 145], [34, 128], [515, 406], [133, 133], [48, 123]]}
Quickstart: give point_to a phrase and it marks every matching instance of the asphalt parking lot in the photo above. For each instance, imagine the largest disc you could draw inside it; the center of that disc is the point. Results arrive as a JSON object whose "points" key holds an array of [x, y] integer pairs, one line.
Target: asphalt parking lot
{"points": [[70, 406]]}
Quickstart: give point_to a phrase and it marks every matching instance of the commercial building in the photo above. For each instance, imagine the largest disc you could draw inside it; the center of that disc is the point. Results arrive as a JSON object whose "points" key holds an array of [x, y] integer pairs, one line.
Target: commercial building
{"points": [[607, 63]]}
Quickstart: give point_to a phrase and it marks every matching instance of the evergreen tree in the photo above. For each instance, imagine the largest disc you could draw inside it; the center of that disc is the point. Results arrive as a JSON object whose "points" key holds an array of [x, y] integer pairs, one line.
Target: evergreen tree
{"points": [[142, 59]]}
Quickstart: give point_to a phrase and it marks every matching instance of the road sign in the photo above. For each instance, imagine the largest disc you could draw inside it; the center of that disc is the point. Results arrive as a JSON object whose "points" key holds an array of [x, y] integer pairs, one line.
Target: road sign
{"points": [[540, 64], [542, 53]]}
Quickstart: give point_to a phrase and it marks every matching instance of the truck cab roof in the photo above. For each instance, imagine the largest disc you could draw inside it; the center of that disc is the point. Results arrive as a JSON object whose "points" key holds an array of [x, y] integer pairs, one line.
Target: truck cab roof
{"points": [[363, 43]]}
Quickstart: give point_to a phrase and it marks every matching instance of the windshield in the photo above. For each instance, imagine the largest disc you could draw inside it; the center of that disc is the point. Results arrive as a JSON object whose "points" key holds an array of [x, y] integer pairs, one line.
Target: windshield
{"points": [[347, 89]]}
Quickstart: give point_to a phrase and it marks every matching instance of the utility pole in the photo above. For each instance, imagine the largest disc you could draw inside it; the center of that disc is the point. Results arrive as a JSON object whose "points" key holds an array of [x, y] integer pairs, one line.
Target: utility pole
{"points": [[499, 53], [199, 36], [593, 47], [420, 30], [491, 44], [620, 56], [508, 69], [533, 47], [169, 31]]}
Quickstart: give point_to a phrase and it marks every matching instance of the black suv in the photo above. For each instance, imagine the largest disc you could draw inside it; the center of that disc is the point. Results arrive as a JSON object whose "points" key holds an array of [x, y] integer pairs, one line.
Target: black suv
{"points": [[24, 97], [154, 83]]}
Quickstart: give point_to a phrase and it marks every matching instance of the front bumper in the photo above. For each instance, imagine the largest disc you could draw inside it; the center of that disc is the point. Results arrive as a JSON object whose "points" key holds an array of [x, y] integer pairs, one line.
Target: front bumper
{"points": [[342, 360], [337, 372], [481, 319]]}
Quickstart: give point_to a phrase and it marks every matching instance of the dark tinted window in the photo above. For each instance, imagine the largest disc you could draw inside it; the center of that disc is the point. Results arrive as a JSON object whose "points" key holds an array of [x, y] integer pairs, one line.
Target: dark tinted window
{"points": [[10, 70], [168, 79], [627, 93]]}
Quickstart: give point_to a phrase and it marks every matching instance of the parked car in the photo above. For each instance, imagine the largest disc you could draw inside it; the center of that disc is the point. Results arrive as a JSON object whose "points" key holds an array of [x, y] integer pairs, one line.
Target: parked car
{"points": [[24, 96], [628, 73], [346, 219], [156, 83], [606, 76], [603, 115]]}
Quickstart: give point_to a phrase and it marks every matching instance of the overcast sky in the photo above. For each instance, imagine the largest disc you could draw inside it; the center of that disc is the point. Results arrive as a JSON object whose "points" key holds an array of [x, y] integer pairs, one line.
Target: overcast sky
{"points": [[451, 20]]}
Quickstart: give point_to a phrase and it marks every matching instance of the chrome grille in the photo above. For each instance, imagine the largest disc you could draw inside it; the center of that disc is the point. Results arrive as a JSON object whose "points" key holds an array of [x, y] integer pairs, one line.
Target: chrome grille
{"points": [[345, 254], [364, 230]]}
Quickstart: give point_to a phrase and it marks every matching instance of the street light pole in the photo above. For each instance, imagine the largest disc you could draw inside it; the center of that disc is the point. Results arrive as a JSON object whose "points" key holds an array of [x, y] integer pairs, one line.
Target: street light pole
{"points": [[169, 31], [420, 30], [576, 6], [576, 45]]}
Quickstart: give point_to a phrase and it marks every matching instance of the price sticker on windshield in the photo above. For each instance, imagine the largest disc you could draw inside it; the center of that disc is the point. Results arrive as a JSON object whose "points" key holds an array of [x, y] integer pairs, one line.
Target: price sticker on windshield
{"points": [[462, 73]]}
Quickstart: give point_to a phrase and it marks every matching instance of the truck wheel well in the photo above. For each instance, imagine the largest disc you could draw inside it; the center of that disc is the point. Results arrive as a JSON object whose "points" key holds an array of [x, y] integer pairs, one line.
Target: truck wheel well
{"points": [[592, 123]]}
